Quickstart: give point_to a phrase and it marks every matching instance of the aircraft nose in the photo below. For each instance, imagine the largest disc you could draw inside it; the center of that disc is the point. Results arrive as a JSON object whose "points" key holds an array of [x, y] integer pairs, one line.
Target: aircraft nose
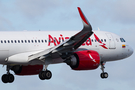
{"points": [[130, 50]]}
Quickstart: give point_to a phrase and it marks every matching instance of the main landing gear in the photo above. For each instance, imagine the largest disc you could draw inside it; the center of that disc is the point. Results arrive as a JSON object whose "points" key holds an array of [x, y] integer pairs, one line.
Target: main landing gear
{"points": [[103, 75], [7, 78], [45, 74]]}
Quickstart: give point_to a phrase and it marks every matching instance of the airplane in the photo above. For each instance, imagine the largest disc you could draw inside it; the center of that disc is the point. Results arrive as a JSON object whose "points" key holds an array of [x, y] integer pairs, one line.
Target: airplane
{"points": [[30, 52]]}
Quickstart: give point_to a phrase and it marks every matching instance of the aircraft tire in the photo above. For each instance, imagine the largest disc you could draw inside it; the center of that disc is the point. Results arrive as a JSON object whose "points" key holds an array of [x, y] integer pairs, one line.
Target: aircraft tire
{"points": [[42, 75], [48, 74], [45, 75], [104, 75], [10, 78], [4, 78], [7, 78]]}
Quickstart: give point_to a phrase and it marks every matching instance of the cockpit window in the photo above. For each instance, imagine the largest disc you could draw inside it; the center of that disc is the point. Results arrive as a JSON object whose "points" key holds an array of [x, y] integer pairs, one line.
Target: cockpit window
{"points": [[122, 40]]}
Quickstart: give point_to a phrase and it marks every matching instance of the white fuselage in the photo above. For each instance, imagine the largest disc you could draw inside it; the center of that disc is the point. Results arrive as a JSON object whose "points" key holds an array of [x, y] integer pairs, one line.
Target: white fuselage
{"points": [[109, 47]]}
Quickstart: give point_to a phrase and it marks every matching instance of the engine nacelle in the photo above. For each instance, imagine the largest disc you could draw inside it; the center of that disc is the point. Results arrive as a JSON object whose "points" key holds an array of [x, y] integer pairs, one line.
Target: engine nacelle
{"points": [[27, 70], [85, 60]]}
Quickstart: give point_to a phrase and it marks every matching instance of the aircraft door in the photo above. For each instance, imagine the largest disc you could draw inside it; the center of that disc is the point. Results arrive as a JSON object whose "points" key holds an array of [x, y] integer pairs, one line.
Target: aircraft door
{"points": [[111, 41]]}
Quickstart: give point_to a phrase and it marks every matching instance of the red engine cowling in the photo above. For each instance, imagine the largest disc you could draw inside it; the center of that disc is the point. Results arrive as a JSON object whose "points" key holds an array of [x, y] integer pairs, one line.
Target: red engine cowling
{"points": [[85, 60], [29, 70]]}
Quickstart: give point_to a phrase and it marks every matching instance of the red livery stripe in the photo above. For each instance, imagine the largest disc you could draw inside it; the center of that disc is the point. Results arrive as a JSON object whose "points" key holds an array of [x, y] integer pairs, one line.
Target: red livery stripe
{"points": [[82, 16]]}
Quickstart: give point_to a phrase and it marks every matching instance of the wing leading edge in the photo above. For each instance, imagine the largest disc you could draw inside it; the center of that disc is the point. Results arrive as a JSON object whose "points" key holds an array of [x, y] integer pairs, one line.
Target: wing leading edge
{"points": [[66, 49]]}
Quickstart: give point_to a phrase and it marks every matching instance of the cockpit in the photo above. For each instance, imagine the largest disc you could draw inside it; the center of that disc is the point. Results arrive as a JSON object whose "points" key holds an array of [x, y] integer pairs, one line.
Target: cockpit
{"points": [[122, 40]]}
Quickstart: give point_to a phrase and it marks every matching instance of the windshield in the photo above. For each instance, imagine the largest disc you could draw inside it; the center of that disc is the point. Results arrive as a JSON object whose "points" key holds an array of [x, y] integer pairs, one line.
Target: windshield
{"points": [[122, 40]]}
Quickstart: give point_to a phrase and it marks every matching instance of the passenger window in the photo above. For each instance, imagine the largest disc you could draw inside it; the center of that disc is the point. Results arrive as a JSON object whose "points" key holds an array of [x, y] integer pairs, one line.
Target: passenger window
{"points": [[59, 40], [95, 40], [46, 40], [15, 41], [11, 41], [5, 41], [35, 41], [98, 40], [101, 40], [92, 40], [42, 41], [32, 41], [18, 41], [25, 41], [104, 40], [39, 41], [29, 41], [8, 41], [22, 41], [1, 41]]}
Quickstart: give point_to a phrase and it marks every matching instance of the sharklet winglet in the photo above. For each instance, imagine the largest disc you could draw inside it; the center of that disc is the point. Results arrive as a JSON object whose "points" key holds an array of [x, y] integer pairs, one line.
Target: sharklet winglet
{"points": [[84, 19]]}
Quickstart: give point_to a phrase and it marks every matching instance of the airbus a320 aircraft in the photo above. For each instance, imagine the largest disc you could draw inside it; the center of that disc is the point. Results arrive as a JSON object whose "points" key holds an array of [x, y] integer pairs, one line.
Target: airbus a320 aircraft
{"points": [[30, 52]]}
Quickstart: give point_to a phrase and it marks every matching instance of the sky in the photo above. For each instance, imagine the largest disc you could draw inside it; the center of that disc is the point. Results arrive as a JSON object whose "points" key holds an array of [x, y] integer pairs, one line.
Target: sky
{"points": [[117, 16]]}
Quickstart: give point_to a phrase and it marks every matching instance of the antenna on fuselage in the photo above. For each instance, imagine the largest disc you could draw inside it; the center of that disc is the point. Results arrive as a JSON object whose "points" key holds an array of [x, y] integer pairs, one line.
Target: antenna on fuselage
{"points": [[98, 29]]}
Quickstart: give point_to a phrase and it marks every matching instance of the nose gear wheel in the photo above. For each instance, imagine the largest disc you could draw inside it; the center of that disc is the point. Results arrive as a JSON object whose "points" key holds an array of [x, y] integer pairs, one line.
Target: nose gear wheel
{"points": [[103, 75]]}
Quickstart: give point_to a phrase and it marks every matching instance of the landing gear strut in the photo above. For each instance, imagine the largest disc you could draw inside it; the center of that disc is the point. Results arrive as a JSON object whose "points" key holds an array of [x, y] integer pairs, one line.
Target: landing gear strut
{"points": [[7, 78], [45, 74], [103, 74]]}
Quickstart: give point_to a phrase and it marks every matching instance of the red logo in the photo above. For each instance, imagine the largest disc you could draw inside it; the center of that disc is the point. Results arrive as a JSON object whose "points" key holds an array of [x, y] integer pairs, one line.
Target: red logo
{"points": [[102, 44], [57, 41]]}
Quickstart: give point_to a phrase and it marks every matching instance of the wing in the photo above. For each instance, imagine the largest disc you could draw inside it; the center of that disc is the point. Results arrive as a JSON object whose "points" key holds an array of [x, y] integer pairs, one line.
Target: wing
{"points": [[66, 49]]}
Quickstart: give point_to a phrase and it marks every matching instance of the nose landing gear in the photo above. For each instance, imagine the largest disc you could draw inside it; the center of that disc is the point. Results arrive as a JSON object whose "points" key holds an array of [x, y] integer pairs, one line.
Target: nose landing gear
{"points": [[103, 75]]}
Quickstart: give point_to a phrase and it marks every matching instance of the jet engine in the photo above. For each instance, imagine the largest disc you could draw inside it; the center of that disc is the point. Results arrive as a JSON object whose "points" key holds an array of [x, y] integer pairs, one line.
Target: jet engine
{"points": [[84, 60]]}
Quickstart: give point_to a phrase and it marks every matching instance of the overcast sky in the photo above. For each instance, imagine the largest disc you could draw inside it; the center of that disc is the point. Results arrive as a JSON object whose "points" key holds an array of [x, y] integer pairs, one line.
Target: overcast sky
{"points": [[117, 16]]}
